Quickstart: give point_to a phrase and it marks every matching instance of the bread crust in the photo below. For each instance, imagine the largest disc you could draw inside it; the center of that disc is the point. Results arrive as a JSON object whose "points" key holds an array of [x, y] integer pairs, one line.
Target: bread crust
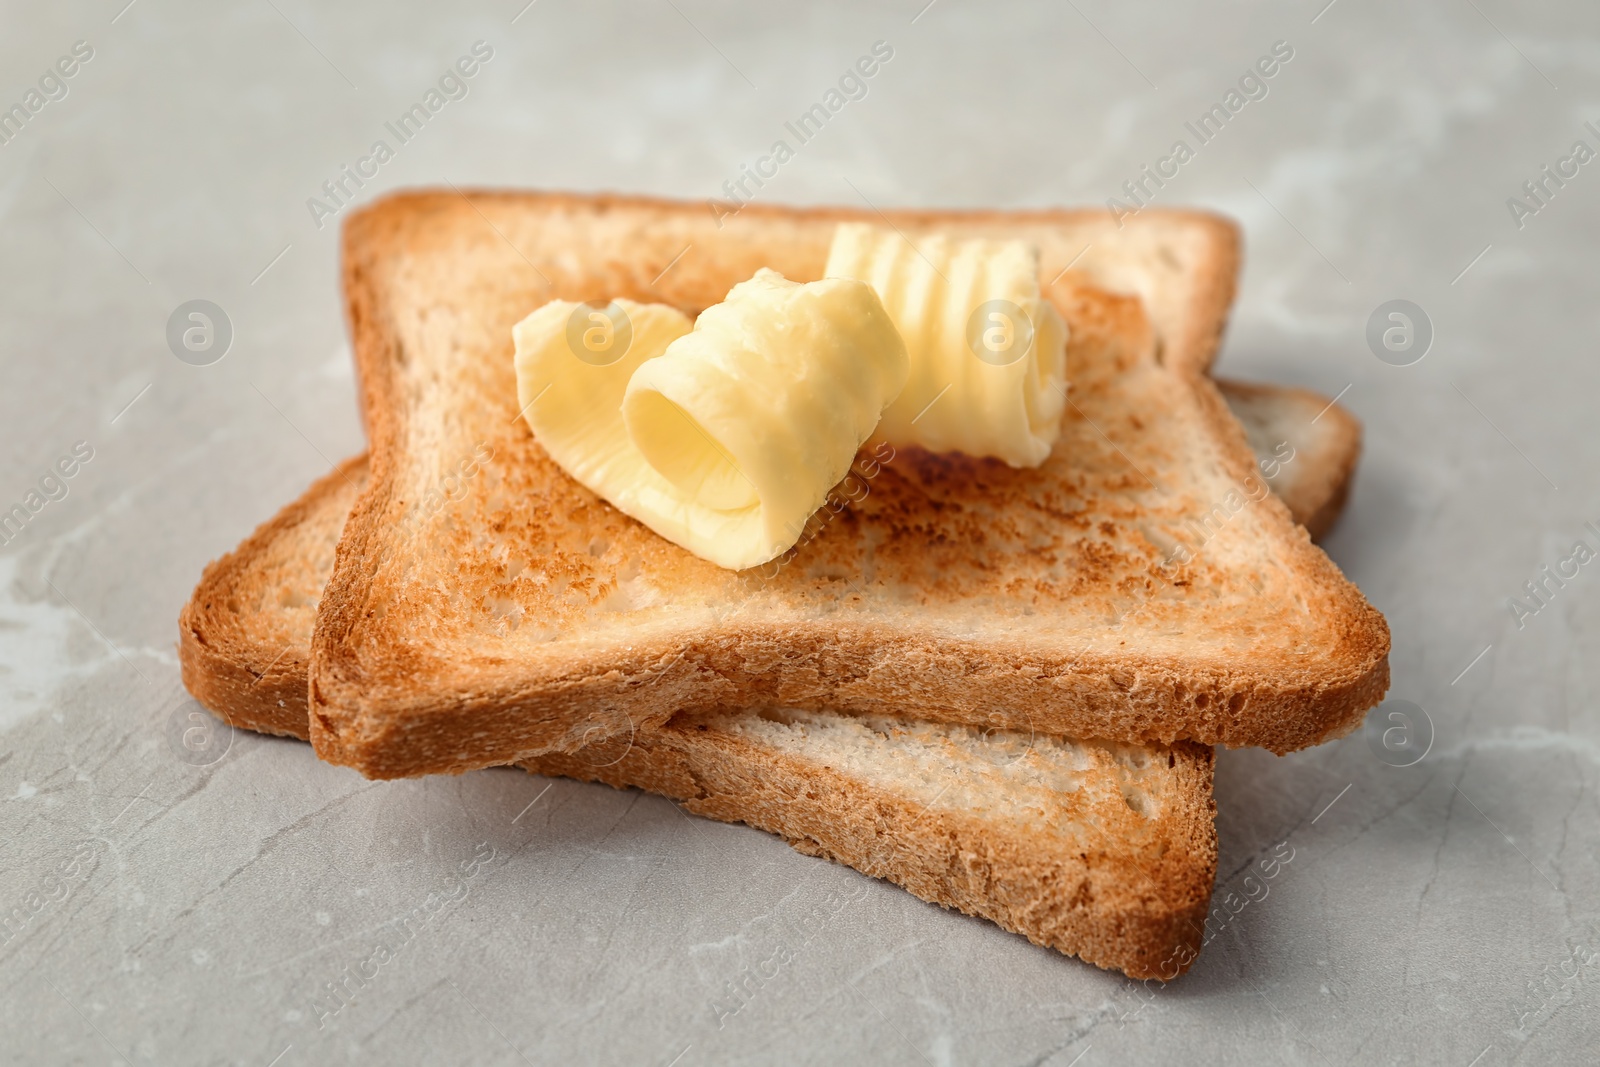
{"points": [[392, 700], [1325, 437], [1130, 894], [245, 639], [255, 674], [1133, 897], [244, 651]]}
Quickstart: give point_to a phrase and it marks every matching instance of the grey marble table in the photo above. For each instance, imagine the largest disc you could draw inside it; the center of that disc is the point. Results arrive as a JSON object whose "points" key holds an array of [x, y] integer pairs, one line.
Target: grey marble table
{"points": [[1442, 912]]}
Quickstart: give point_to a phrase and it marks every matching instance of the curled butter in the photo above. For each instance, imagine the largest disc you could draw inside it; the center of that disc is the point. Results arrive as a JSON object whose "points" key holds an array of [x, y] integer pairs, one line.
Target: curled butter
{"points": [[988, 352], [725, 438]]}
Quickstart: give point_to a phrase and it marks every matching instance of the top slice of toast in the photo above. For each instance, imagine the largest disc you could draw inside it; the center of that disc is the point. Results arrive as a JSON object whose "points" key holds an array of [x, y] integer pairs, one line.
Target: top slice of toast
{"points": [[1141, 585], [245, 633]]}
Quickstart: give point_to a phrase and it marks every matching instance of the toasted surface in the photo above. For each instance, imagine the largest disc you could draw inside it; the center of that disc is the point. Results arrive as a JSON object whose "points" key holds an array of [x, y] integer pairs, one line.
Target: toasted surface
{"points": [[511, 620], [998, 845], [1103, 851], [244, 637], [245, 634], [1098, 850], [1325, 440]]}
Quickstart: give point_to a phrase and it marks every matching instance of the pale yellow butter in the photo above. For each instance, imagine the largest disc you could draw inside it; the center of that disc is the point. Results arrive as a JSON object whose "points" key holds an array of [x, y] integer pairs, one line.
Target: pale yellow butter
{"points": [[725, 438], [987, 351]]}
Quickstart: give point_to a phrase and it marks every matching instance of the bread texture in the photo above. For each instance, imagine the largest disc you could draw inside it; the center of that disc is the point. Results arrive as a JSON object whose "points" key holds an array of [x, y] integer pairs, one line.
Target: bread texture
{"points": [[245, 633], [1324, 439], [1019, 822], [1135, 587], [244, 637], [1099, 850]]}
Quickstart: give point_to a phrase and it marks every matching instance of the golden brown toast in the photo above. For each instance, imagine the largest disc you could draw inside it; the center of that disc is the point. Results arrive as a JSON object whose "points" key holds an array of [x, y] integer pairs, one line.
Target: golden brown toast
{"points": [[1325, 438], [851, 790], [1140, 585], [1099, 850], [245, 634]]}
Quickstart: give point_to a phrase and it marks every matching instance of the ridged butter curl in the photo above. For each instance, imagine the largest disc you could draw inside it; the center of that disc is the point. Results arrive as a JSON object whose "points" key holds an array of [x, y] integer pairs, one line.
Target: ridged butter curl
{"points": [[723, 438], [987, 350]]}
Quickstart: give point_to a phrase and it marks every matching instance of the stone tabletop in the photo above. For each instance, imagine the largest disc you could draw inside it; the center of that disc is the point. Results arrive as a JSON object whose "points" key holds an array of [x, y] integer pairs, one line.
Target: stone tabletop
{"points": [[1439, 903]]}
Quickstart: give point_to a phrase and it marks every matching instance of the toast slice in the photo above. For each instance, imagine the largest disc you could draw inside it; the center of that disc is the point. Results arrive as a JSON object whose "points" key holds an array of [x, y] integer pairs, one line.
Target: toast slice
{"points": [[1324, 438], [1129, 588], [812, 778], [1103, 851], [1100, 850], [245, 634]]}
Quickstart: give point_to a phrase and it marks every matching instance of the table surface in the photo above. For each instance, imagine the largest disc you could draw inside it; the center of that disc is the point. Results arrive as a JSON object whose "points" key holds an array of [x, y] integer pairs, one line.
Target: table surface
{"points": [[1441, 912]]}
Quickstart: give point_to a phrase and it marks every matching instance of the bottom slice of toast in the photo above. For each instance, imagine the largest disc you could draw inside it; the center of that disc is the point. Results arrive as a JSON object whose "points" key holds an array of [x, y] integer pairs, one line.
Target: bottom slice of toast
{"points": [[1103, 851], [1315, 472]]}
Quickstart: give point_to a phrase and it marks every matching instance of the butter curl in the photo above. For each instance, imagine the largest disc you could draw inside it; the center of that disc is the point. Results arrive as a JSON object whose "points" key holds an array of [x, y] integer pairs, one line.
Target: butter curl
{"points": [[723, 438], [987, 350]]}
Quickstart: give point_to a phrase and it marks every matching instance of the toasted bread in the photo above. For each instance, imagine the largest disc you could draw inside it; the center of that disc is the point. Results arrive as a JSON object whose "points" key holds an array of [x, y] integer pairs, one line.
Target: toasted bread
{"points": [[245, 634], [244, 637], [1103, 851], [1324, 440], [1122, 590], [812, 778]]}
